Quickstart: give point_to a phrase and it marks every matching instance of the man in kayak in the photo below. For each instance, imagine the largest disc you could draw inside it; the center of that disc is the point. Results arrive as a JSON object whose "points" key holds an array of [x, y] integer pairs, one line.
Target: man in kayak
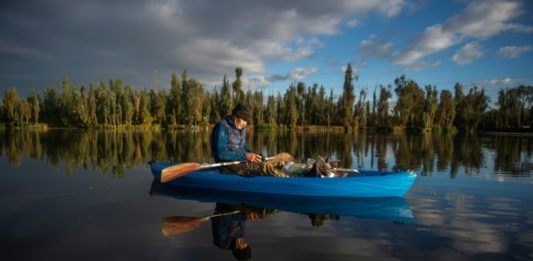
{"points": [[228, 143]]}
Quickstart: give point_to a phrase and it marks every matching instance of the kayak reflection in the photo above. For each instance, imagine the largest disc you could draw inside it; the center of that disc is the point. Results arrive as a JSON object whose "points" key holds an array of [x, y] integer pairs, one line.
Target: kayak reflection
{"points": [[392, 209], [233, 210]]}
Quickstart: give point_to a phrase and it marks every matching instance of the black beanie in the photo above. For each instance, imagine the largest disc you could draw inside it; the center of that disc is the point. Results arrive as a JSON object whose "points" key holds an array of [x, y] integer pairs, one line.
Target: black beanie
{"points": [[242, 254], [243, 111]]}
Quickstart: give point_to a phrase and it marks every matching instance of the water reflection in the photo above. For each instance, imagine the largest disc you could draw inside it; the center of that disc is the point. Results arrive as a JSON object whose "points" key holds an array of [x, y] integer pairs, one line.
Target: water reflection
{"points": [[391, 209], [116, 151], [477, 226], [233, 210]]}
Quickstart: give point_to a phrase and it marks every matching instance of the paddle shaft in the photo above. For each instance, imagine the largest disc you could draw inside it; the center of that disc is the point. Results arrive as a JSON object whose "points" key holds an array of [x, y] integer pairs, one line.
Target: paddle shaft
{"points": [[229, 163], [346, 170], [221, 214], [179, 170]]}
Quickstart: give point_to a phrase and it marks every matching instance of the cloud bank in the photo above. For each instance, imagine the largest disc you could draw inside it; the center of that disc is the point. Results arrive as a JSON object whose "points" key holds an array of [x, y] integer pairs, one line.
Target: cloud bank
{"points": [[89, 39], [479, 21]]}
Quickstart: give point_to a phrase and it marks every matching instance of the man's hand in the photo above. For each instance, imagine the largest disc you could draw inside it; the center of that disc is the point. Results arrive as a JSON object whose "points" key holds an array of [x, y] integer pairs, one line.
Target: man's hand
{"points": [[252, 157]]}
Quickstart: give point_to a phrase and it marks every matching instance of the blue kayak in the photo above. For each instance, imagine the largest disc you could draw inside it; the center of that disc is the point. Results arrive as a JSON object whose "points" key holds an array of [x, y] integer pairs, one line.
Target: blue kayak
{"points": [[362, 184]]}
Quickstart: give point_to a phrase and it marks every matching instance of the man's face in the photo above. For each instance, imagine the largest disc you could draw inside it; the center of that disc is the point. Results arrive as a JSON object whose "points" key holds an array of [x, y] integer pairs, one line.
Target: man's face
{"points": [[240, 123], [240, 243]]}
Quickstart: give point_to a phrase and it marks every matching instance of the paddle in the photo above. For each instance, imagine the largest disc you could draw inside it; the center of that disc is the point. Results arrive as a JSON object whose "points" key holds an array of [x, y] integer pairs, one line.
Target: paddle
{"points": [[346, 170], [177, 224], [180, 170]]}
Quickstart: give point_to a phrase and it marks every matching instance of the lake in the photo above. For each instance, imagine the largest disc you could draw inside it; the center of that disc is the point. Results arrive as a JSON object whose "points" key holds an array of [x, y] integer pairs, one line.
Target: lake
{"points": [[89, 195]]}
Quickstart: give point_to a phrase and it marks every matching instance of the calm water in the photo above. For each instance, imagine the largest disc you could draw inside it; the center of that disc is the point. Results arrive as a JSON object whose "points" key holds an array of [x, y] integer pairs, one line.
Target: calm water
{"points": [[72, 195]]}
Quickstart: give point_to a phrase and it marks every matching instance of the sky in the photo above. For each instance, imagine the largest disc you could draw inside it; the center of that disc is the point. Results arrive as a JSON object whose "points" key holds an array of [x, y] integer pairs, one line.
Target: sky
{"points": [[484, 43]]}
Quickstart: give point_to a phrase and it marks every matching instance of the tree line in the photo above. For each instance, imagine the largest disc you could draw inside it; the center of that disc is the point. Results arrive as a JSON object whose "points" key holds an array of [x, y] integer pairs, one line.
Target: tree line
{"points": [[187, 103]]}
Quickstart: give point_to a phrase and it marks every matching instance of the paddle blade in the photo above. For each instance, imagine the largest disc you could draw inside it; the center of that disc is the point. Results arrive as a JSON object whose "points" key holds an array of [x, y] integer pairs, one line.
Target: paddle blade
{"points": [[177, 225], [179, 170]]}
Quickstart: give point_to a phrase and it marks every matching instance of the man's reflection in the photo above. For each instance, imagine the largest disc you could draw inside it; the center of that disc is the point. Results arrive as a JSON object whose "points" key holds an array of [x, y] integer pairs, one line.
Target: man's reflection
{"points": [[228, 225], [229, 230]]}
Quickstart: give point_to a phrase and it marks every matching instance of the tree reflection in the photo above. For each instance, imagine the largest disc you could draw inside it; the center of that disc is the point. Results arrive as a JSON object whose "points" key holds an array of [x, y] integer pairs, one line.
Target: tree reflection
{"points": [[112, 151]]}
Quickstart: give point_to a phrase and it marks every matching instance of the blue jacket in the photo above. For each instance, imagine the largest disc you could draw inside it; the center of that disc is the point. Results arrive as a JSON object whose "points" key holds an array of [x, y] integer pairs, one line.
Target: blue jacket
{"points": [[227, 142]]}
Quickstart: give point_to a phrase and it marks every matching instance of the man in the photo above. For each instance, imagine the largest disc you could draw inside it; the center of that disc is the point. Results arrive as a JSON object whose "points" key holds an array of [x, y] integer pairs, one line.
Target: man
{"points": [[228, 143]]}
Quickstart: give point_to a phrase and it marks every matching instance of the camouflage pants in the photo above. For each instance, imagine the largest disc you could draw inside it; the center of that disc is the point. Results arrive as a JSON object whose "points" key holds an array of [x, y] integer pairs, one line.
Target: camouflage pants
{"points": [[266, 168]]}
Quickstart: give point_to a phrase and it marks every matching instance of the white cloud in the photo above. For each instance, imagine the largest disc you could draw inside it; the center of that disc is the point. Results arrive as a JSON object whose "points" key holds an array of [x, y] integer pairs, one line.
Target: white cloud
{"points": [[301, 73], [485, 18], [390, 8], [257, 81], [468, 53], [374, 48], [493, 82], [510, 52], [520, 28], [432, 40], [296, 74], [479, 20], [353, 23]]}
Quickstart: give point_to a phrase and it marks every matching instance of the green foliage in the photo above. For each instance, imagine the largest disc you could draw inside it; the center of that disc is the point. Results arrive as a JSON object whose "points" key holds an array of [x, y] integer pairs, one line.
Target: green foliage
{"points": [[348, 98], [237, 86], [9, 104], [225, 103], [186, 103], [410, 106], [383, 107], [445, 110]]}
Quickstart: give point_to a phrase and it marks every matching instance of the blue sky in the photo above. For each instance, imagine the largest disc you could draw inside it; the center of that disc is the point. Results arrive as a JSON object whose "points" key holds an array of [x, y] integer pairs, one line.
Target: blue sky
{"points": [[487, 43]]}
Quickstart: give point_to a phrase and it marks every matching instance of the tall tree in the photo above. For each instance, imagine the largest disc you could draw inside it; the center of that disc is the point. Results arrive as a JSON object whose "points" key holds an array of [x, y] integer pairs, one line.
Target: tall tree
{"points": [[348, 98], [237, 86], [9, 103], [193, 103], [361, 112], [409, 107], [175, 102], [91, 107], [475, 104], [157, 102], [225, 103], [50, 105], [66, 102], [103, 100], [383, 107], [23, 112], [446, 110], [126, 102], [459, 103], [271, 110], [291, 106], [430, 107]]}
